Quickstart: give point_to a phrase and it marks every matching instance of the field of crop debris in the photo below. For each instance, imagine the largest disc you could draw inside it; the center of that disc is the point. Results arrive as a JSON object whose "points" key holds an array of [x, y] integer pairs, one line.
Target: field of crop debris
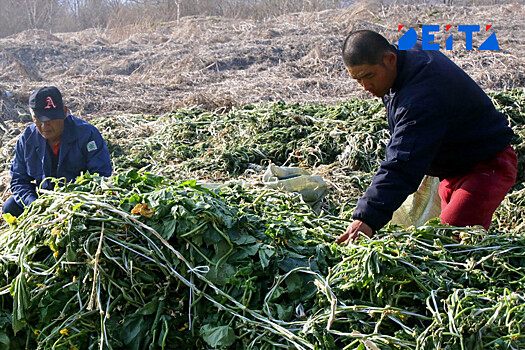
{"points": [[184, 247]]}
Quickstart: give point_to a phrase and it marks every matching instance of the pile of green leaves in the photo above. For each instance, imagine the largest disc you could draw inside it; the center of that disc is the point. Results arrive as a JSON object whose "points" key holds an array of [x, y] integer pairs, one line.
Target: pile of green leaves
{"points": [[353, 132], [351, 136], [89, 266], [433, 288], [510, 216], [245, 268], [512, 104], [308, 135], [80, 270]]}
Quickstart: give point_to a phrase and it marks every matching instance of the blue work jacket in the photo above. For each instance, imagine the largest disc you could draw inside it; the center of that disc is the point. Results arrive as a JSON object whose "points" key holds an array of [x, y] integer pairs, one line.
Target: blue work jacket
{"points": [[82, 149], [441, 124]]}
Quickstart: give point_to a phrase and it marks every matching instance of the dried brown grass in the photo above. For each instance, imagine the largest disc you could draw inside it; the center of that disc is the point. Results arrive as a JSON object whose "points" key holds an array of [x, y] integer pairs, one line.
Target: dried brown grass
{"points": [[153, 68]]}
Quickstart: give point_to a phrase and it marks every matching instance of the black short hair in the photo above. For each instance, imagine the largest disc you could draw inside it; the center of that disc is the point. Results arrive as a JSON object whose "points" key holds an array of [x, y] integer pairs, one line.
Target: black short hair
{"points": [[365, 47]]}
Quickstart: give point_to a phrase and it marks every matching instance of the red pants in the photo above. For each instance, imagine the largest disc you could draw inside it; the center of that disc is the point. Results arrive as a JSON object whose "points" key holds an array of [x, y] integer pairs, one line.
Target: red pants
{"points": [[471, 199]]}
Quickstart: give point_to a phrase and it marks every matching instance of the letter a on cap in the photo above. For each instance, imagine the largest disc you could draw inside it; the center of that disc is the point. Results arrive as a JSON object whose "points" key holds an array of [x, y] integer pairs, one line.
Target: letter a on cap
{"points": [[50, 103]]}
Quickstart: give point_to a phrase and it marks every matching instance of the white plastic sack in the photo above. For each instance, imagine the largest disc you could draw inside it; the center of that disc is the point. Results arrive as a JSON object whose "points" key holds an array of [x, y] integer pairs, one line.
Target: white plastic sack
{"points": [[293, 179], [420, 206]]}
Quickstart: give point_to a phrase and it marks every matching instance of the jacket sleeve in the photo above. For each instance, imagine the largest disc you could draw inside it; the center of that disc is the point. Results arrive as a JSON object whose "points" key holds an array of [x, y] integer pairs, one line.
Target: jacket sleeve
{"points": [[22, 188], [417, 136], [98, 160]]}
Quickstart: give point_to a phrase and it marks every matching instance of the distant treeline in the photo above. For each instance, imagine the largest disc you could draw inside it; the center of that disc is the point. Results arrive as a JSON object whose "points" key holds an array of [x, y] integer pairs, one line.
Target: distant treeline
{"points": [[73, 15]]}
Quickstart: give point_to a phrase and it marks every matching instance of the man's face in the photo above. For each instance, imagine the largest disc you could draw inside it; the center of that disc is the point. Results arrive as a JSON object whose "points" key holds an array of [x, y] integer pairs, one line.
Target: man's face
{"points": [[377, 79], [51, 130]]}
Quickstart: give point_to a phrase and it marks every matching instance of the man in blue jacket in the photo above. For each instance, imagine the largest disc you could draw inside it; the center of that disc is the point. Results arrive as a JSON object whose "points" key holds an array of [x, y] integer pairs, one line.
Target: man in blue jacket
{"points": [[441, 123], [57, 145]]}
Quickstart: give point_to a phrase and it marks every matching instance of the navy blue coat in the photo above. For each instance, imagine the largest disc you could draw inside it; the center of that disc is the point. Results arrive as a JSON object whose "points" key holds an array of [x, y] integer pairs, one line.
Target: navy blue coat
{"points": [[441, 123], [82, 149]]}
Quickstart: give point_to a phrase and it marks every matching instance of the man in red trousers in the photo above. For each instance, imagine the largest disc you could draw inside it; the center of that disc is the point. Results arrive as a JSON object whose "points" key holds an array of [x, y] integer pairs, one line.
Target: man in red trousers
{"points": [[442, 124]]}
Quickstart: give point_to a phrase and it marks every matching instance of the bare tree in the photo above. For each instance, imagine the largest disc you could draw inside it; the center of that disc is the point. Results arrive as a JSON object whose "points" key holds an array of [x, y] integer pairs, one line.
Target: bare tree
{"points": [[19, 15], [40, 13], [174, 6]]}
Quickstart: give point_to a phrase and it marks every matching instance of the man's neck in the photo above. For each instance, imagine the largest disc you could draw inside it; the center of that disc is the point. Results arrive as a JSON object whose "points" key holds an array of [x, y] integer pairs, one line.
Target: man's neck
{"points": [[52, 143]]}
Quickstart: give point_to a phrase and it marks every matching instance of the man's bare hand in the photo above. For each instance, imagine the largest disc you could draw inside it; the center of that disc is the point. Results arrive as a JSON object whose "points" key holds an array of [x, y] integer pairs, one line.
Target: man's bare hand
{"points": [[354, 231]]}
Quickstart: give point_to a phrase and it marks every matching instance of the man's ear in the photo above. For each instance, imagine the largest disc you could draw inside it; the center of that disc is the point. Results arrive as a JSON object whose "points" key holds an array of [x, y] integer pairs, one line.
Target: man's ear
{"points": [[65, 111], [390, 60]]}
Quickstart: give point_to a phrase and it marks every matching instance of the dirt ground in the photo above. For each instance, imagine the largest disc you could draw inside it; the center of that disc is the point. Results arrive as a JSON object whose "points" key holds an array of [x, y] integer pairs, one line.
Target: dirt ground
{"points": [[215, 62]]}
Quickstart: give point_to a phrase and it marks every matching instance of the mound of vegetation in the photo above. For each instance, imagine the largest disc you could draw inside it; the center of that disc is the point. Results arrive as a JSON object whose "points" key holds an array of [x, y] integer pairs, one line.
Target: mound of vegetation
{"points": [[147, 260], [139, 262]]}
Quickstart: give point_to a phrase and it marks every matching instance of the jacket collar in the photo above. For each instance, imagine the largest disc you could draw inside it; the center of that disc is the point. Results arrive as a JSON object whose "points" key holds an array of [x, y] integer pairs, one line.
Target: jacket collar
{"points": [[401, 55], [69, 136]]}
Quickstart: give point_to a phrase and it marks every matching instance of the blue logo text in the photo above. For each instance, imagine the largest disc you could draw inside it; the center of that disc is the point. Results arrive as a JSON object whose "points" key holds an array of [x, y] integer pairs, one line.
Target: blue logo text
{"points": [[409, 39]]}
